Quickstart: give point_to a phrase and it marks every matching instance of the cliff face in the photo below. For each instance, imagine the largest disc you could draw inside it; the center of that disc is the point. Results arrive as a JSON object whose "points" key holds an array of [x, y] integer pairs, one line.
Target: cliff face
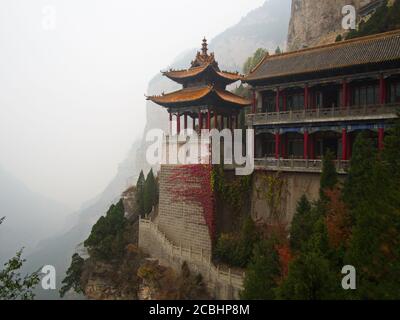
{"points": [[317, 22]]}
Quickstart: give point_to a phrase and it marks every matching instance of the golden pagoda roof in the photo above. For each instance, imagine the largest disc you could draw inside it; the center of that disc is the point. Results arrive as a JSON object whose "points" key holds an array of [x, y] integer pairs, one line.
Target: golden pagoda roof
{"points": [[197, 96], [181, 76]]}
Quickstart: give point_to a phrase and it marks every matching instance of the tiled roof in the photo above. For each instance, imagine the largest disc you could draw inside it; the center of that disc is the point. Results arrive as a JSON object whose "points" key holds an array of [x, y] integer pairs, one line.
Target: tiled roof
{"points": [[379, 48], [178, 75], [191, 95], [184, 95]]}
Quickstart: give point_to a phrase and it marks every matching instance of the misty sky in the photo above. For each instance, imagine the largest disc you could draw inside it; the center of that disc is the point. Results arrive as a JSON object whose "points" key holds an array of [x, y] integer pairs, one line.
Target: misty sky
{"points": [[73, 76]]}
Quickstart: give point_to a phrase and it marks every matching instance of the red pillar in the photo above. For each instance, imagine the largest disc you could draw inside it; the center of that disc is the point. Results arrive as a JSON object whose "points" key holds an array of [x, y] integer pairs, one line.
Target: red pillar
{"points": [[178, 123], [254, 104], [344, 144], [306, 97], [277, 99], [208, 119], [222, 122], [277, 145], [382, 90], [381, 137], [306, 141]]}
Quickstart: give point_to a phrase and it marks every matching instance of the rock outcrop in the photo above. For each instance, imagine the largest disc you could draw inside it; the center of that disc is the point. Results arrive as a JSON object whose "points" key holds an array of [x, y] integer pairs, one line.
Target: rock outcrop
{"points": [[317, 22]]}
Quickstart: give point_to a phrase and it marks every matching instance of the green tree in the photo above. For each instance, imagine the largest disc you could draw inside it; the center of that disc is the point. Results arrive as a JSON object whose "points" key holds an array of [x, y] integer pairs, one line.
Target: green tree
{"points": [[278, 50], [150, 193], [374, 248], [253, 61], [106, 240], [361, 165], [329, 178], [140, 185], [262, 273], [386, 18], [312, 275], [73, 278], [13, 286], [302, 224]]}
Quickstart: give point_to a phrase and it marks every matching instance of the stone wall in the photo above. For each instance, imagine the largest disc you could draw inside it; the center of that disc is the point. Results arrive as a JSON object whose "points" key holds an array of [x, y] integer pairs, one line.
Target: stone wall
{"points": [[223, 285], [181, 221], [297, 184]]}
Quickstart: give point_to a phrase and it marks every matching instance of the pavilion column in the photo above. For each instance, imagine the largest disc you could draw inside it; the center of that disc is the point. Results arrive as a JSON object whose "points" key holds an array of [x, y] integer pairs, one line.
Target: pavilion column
{"points": [[222, 122], [381, 138], [208, 119], [305, 146], [344, 144], [306, 97], [278, 93], [382, 90], [215, 120], [178, 123], [277, 145], [237, 122], [170, 124]]}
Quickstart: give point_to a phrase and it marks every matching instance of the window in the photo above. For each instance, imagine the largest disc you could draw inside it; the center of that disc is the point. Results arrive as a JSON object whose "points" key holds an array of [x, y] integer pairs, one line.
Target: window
{"points": [[368, 95]]}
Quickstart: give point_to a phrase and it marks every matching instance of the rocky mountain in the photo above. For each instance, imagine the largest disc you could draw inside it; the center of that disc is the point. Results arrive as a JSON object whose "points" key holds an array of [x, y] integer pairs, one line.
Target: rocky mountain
{"points": [[312, 24], [264, 27]]}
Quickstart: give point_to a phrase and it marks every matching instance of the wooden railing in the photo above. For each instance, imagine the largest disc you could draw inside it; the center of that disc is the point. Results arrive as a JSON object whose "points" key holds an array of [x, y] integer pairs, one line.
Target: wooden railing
{"points": [[379, 111], [298, 165]]}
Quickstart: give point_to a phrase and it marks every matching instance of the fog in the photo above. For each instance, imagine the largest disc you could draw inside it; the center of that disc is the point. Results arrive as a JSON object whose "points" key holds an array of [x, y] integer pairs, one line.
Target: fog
{"points": [[72, 81]]}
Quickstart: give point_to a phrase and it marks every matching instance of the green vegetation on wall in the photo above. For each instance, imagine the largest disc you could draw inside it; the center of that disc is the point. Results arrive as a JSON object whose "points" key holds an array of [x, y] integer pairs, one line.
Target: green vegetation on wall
{"points": [[386, 18]]}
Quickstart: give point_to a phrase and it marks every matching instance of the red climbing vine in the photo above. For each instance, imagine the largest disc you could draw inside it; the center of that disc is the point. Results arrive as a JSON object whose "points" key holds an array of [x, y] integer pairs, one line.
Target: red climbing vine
{"points": [[193, 183]]}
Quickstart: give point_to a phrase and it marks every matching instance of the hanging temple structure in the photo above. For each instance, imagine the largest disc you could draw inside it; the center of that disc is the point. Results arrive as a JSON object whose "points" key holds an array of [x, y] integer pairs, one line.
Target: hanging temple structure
{"points": [[304, 102]]}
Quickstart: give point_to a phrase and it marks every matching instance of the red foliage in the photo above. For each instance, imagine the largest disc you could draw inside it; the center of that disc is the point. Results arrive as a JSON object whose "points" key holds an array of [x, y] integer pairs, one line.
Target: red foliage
{"points": [[285, 258], [338, 220], [197, 182]]}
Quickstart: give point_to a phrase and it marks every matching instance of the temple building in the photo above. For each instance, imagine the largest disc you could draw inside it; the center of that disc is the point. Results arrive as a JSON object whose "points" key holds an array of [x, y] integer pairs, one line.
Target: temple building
{"points": [[203, 102], [318, 99]]}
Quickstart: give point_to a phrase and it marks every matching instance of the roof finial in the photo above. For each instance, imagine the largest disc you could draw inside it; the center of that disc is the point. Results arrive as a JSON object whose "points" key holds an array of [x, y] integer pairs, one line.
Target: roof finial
{"points": [[204, 47]]}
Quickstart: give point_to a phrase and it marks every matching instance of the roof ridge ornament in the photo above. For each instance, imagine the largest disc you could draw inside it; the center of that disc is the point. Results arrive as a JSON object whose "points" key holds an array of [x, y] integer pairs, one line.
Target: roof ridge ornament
{"points": [[204, 46]]}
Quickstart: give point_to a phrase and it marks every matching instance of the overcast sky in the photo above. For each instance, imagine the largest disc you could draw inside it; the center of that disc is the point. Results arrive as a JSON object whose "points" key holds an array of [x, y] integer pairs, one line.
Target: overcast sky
{"points": [[73, 74]]}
